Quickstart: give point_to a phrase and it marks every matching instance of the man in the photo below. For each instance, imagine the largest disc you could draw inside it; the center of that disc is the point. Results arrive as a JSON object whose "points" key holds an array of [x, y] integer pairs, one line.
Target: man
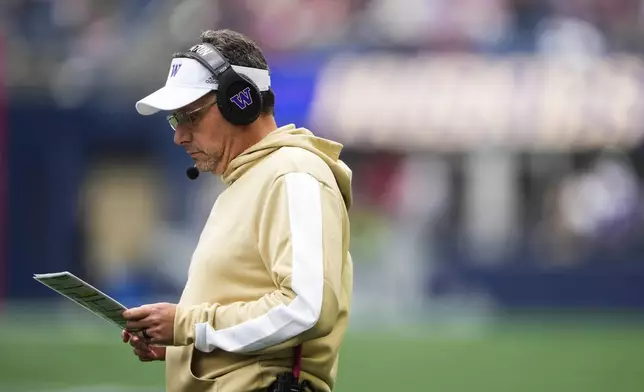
{"points": [[270, 281]]}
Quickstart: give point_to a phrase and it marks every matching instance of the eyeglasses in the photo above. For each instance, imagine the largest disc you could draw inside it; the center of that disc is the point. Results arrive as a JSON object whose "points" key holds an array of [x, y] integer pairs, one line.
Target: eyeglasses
{"points": [[190, 118]]}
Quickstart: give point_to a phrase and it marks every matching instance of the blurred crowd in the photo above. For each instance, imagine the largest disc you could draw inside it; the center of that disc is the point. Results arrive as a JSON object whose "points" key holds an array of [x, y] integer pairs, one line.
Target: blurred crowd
{"points": [[51, 39], [524, 210]]}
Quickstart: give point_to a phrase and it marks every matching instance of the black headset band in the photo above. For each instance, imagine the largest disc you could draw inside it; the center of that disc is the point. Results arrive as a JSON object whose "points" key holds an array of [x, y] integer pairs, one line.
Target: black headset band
{"points": [[208, 56], [201, 61]]}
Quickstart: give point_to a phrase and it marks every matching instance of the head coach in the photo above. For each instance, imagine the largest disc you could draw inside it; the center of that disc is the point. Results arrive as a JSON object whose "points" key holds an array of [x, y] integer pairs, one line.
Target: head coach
{"points": [[266, 303]]}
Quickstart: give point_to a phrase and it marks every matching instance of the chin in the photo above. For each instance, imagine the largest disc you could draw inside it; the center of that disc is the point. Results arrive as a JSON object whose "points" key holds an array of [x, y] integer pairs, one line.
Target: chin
{"points": [[208, 166]]}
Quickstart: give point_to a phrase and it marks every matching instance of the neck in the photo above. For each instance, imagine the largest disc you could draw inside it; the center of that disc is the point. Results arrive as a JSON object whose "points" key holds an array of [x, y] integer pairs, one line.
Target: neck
{"points": [[247, 136]]}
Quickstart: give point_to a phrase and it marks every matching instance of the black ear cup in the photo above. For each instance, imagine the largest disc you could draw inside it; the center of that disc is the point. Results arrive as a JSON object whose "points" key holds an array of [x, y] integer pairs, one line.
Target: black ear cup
{"points": [[238, 98]]}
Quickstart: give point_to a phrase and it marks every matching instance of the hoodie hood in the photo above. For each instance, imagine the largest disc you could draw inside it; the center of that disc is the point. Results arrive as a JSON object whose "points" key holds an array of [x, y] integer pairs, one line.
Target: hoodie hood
{"points": [[290, 136]]}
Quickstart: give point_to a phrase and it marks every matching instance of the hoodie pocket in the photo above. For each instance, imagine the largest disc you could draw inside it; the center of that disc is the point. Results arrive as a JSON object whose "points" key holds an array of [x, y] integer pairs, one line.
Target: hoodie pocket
{"points": [[223, 371]]}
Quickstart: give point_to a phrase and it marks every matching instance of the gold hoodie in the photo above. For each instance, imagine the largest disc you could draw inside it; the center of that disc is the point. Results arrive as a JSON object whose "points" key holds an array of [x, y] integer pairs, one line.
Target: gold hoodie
{"points": [[271, 270]]}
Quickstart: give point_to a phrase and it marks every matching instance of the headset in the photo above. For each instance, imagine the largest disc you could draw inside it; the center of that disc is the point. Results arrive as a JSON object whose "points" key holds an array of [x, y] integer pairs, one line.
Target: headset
{"points": [[238, 98]]}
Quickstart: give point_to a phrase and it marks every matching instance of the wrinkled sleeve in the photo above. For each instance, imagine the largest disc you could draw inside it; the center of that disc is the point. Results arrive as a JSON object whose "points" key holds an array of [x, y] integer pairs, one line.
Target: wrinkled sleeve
{"points": [[300, 241]]}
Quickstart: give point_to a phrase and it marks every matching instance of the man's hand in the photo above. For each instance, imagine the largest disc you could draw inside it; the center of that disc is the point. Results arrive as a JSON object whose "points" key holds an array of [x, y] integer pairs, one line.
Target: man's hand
{"points": [[142, 350], [155, 321]]}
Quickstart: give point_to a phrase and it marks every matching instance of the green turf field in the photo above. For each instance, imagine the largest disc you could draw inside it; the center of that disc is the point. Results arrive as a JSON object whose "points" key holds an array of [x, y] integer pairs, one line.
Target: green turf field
{"points": [[47, 354]]}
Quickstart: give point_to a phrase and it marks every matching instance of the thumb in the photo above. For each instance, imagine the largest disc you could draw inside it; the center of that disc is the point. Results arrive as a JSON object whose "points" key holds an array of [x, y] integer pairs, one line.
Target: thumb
{"points": [[139, 313]]}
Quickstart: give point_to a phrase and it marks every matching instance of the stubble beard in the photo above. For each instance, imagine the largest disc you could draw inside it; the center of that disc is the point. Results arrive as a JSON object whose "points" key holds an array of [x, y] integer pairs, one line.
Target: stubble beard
{"points": [[209, 163]]}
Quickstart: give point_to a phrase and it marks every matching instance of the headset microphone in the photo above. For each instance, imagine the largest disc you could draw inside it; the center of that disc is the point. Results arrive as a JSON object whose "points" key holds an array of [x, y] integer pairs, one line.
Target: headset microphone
{"points": [[192, 172]]}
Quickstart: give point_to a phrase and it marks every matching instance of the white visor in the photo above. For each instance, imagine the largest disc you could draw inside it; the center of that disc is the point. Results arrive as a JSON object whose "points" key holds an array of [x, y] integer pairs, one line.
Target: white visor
{"points": [[188, 81]]}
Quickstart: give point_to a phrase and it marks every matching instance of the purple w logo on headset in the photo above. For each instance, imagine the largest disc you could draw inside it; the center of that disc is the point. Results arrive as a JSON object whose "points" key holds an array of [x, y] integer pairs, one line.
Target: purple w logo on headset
{"points": [[242, 99]]}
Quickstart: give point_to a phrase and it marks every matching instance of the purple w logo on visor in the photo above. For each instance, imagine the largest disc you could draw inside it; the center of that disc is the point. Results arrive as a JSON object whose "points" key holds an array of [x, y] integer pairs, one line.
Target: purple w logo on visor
{"points": [[174, 69], [242, 99]]}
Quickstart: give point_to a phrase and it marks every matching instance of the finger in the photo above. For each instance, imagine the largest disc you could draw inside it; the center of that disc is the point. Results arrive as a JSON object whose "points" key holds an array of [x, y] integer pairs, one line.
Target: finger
{"points": [[141, 341], [135, 326], [152, 353], [140, 344], [155, 335], [138, 313], [126, 336], [142, 354]]}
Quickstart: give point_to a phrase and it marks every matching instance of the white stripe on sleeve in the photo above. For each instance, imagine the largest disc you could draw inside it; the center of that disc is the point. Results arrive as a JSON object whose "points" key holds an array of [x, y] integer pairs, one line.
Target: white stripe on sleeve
{"points": [[284, 322]]}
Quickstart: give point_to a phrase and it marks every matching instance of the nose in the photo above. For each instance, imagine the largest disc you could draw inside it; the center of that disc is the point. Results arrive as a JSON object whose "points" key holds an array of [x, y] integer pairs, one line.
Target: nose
{"points": [[182, 135]]}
